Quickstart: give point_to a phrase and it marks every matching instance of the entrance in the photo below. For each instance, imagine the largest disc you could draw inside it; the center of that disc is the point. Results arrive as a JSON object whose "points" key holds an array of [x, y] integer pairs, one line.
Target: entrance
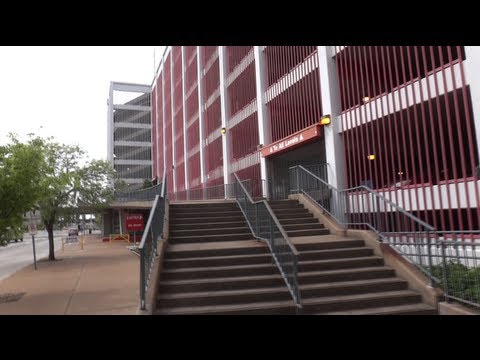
{"points": [[311, 156]]}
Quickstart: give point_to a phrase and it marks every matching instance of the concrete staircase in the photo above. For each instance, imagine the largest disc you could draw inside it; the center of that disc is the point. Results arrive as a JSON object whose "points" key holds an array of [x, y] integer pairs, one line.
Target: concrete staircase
{"points": [[295, 219], [207, 222], [226, 271], [213, 265]]}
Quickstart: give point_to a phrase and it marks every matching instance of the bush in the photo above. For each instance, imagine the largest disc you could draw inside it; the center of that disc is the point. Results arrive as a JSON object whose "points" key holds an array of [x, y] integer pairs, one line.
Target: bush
{"points": [[462, 282]]}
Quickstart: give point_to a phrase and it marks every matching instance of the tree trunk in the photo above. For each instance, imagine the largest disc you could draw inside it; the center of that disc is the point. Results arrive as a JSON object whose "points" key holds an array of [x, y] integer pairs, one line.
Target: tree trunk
{"points": [[51, 245]]}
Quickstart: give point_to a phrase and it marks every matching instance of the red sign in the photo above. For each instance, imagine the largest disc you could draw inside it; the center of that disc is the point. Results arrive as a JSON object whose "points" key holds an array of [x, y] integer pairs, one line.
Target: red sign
{"points": [[291, 141], [134, 222]]}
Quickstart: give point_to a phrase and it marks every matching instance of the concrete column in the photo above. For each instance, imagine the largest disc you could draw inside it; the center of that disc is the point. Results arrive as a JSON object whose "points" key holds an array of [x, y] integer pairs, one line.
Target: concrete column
{"points": [[472, 77], [262, 112], [110, 152], [185, 147], [120, 220], [200, 114], [223, 63], [331, 105], [163, 120]]}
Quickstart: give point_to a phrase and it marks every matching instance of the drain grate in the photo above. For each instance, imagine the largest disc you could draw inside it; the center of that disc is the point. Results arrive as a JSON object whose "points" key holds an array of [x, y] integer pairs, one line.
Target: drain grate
{"points": [[11, 297]]}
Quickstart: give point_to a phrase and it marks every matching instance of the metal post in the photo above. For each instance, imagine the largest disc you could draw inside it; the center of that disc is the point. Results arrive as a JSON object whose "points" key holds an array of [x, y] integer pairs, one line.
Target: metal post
{"points": [[142, 279], [134, 238], [34, 253], [445, 273], [256, 220], [271, 237], [298, 179], [429, 252]]}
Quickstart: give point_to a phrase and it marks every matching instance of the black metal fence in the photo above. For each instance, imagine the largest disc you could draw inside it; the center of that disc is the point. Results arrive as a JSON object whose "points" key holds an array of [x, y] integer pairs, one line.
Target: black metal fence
{"points": [[148, 245], [222, 191], [147, 194], [265, 226], [450, 259]]}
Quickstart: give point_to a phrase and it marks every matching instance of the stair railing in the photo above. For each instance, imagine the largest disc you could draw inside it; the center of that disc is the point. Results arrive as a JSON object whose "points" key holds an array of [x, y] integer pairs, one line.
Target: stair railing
{"points": [[148, 245], [362, 208], [265, 226]]}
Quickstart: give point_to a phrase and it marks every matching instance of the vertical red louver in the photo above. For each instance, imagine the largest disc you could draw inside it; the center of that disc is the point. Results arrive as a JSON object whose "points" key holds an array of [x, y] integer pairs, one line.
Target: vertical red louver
{"points": [[409, 107]]}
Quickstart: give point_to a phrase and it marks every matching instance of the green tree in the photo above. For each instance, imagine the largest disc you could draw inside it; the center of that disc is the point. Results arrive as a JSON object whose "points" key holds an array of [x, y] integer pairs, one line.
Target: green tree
{"points": [[21, 166], [147, 184], [67, 181]]}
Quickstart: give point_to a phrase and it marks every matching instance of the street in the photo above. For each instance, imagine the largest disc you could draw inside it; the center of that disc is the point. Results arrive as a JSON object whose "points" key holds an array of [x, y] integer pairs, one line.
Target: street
{"points": [[15, 256]]}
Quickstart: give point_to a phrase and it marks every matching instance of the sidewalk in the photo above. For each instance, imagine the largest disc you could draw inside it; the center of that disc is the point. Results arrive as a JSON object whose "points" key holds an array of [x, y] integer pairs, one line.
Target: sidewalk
{"points": [[102, 279]]}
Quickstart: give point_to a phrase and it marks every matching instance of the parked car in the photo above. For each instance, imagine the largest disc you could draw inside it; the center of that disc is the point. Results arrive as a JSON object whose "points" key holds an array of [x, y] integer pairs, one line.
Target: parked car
{"points": [[73, 232]]}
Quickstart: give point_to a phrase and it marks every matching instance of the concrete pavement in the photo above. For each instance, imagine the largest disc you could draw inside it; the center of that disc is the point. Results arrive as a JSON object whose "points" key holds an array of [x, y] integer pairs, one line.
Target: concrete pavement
{"points": [[102, 279]]}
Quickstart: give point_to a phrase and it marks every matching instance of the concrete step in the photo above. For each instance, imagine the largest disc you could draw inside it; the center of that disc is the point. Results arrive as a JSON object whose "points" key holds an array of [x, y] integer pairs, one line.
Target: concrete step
{"points": [[307, 220], [301, 215], [352, 287], [212, 225], [205, 214], [282, 211], [335, 253], [328, 276], [222, 283], [218, 261], [331, 264], [285, 307], [300, 226], [286, 205], [328, 245], [214, 219], [216, 252], [282, 202], [204, 206], [212, 231], [210, 238], [359, 301], [178, 212], [224, 297], [308, 232], [409, 309], [219, 271]]}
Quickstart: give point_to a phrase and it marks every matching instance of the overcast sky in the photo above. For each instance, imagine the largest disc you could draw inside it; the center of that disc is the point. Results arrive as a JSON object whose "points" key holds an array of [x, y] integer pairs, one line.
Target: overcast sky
{"points": [[62, 91]]}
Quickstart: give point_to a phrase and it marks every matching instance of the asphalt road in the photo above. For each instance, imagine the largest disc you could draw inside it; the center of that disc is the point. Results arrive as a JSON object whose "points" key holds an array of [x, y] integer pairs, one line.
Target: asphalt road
{"points": [[15, 256]]}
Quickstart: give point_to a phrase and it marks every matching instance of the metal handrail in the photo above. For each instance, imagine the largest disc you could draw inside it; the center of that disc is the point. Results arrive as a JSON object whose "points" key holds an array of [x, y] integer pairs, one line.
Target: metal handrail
{"points": [[149, 242], [283, 252], [221, 191], [140, 194], [361, 207]]}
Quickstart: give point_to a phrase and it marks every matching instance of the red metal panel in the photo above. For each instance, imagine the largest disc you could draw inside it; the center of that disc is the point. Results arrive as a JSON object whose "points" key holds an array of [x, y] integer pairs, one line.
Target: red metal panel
{"points": [[179, 169], [192, 112], [168, 123], [241, 97], [391, 76], [252, 173]]}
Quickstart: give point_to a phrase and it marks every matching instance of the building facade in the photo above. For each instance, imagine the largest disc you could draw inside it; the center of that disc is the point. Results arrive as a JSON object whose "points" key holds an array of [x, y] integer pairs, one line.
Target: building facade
{"points": [[405, 121], [130, 133]]}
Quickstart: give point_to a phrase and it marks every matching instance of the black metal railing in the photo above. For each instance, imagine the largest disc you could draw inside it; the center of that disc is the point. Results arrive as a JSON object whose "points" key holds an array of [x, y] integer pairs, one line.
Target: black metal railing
{"points": [[147, 194], [364, 209], [222, 191], [148, 245], [279, 185], [265, 226], [451, 257]]}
